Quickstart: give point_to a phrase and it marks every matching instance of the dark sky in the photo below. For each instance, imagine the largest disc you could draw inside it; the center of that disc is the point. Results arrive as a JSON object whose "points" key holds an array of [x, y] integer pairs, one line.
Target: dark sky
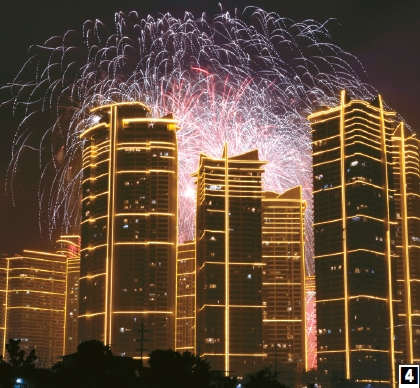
{"points": [[383, 34]]}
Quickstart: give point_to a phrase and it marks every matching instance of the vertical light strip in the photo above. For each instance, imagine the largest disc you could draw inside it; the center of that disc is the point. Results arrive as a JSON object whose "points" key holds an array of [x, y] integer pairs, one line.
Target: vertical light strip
{"points": [[65, 303], [195, 299], [176, 241], [108, 241], [6, 310], [227, 326], [109, 247], [176, 294], [344, 226], [113, 150], [302, 278], [405, 252], [387, 240]]}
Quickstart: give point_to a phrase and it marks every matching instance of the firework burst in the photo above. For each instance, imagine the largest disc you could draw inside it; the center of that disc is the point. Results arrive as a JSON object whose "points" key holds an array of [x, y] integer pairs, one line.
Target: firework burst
{"points": [[251, 83]]}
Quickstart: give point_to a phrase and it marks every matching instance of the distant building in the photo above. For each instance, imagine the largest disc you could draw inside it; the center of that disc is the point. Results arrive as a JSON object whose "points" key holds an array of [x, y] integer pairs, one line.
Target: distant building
{"points": [[3, 300], [185, 298], [129, 229], [406, 166], [229, 263], [355, 248], [69, 246], [284, 324], [35, 292]]}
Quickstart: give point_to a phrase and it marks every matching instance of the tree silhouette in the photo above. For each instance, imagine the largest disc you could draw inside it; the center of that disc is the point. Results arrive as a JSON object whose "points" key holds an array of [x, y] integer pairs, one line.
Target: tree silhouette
{"points": [[94, 366], [18, 365], [264, 378], [169, 368]]}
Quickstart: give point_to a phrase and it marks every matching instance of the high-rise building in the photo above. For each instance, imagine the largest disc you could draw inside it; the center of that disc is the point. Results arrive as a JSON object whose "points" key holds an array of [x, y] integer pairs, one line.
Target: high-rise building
{"points": [[3, 300], [69, 246], [35, 292], [406, 162], [129, 229], [185, 298], [355, 248], [284, 324], [229, 263]]}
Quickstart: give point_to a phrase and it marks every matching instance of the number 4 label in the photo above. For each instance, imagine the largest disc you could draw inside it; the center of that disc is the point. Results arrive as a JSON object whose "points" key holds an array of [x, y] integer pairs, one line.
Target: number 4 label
{"points": [[408, 376]]}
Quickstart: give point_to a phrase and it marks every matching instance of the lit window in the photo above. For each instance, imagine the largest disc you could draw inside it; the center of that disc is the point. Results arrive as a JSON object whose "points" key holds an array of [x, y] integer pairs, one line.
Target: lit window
{"points": [[357, 270], [212, 286]]}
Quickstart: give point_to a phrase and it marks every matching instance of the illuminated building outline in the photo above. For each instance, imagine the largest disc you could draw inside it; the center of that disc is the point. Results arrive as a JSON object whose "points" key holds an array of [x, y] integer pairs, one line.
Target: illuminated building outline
{"points": [[229, 197], [346, 138], [129, 228]]}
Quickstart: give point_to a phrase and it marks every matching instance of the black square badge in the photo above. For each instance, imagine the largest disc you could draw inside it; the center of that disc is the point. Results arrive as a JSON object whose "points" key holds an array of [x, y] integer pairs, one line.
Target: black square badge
{"points": [[408, 376]]}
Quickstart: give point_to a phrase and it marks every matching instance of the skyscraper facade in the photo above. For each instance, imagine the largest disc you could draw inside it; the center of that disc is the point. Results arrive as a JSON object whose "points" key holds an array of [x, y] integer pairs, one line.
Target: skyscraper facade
{"points": [[185, 298], [69, 246], [355, 247], [129, 229], [284, 323], [3, 299], [35, 302], [406, 163], [229, 263]]}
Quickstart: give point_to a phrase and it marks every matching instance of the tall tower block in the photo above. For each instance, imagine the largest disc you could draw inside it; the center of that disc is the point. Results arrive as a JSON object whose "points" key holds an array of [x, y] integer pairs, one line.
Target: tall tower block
{"points": [[406, 160], [185, 298], [229, 263], [35, 302], [284, 325], [355, 249], [129, 229], [69, 246]]}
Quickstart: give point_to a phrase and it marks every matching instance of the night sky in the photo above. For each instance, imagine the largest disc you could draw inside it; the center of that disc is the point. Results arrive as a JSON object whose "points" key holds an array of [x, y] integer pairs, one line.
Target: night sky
{"points": [[383, 34]]}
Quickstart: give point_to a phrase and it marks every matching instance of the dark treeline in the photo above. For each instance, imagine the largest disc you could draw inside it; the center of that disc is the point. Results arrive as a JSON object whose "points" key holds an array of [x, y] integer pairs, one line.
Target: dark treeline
{"points": [[94, 366]]}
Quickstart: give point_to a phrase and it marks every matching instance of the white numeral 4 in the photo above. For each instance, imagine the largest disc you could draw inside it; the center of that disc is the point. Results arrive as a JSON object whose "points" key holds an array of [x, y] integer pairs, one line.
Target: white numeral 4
{"points": [[409, 376]]}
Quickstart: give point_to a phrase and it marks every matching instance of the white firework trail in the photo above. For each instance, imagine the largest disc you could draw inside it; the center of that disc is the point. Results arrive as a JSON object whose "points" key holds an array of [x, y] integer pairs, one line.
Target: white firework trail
{"points": [[251, 84], [249, 80]]}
